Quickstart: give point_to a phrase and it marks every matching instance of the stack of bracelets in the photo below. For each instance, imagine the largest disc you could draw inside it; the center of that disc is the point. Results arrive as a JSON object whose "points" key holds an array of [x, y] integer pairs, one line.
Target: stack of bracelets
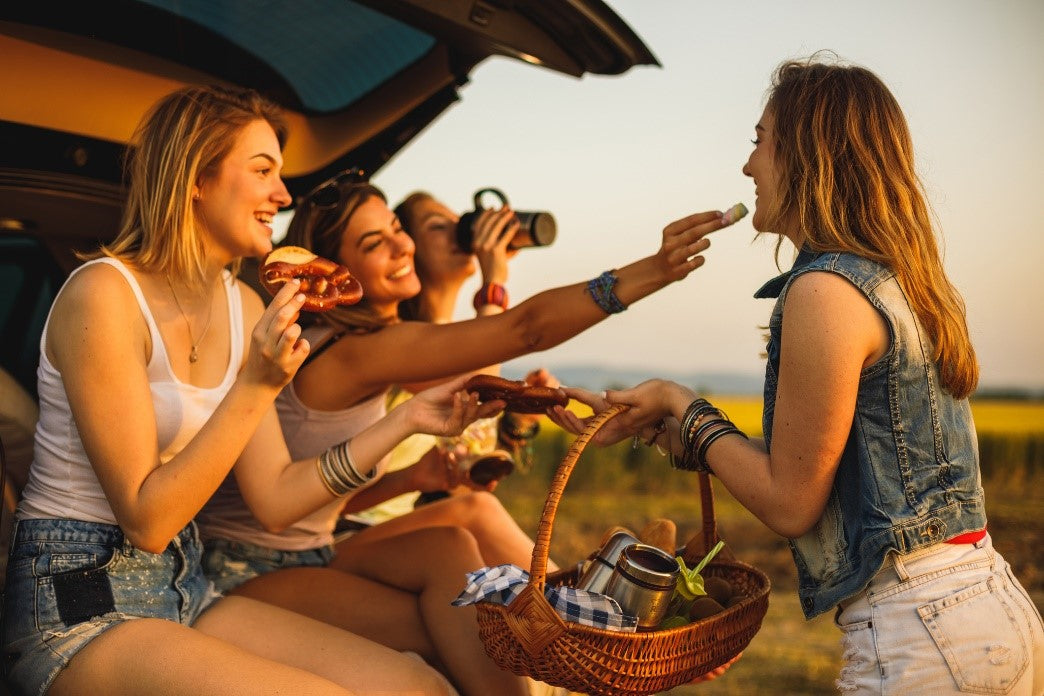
{"points": [[337, 470], [701, 425]]}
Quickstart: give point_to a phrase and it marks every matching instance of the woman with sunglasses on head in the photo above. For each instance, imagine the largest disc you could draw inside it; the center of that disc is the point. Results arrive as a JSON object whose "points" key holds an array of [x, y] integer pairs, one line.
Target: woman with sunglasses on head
{"points": [[362, 351], [157, 379], [495, 444], [869, 464]]}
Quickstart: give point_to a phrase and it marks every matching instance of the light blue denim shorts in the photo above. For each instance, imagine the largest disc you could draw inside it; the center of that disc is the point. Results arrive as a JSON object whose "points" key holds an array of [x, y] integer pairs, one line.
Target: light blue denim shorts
{"points": [[68, 581], [228, 564], [949, 619]]}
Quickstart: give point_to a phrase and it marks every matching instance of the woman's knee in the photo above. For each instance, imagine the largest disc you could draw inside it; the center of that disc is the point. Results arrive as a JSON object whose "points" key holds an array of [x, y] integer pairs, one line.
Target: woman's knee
{"points": [[454, 538], [481, 506]]}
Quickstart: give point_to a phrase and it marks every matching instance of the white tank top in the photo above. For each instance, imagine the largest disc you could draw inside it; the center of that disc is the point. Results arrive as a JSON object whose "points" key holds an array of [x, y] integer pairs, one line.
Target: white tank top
{"points": [[62, 483], [308, 434]]}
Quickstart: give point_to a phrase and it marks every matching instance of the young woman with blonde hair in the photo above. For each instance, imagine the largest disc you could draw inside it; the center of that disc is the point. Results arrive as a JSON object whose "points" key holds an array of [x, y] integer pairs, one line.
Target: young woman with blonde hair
{"points": [[869, 464], [158, 377]]}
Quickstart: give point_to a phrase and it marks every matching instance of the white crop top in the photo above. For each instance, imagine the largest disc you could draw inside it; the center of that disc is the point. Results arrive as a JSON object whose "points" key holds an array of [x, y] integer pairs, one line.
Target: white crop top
{"points": [[62, 482]]}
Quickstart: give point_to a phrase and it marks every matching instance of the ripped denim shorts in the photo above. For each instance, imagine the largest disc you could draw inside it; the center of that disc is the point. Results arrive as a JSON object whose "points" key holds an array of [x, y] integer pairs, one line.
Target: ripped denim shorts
{"points": [[948, 619], [68, 581], [228, 564]]}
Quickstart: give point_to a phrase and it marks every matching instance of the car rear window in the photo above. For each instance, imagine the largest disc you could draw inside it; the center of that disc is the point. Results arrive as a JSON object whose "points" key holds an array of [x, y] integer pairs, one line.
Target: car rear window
{"points": [[331, 52]]}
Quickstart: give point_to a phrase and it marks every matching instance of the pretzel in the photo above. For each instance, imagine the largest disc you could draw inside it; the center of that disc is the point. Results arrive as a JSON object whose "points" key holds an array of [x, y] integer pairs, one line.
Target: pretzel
{"points": [[324, 284], [519, 396]]}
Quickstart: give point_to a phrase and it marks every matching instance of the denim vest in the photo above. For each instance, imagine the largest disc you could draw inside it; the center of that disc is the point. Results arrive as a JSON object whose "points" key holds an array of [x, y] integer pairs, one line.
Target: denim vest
{"points": [[909, 474]]}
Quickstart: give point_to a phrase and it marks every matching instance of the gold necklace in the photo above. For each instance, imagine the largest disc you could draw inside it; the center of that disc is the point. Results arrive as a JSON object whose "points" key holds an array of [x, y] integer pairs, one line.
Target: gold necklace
{"points": [[193, 355]]}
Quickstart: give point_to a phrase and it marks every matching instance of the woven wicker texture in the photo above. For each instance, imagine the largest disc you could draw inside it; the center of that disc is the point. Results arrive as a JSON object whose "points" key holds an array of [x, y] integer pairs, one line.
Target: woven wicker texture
{"points": [[529, 638]]}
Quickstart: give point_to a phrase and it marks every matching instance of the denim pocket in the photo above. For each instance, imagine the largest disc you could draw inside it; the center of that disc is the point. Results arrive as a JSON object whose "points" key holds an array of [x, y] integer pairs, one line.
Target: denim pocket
{"points": [[977, 632], [73, 587]]}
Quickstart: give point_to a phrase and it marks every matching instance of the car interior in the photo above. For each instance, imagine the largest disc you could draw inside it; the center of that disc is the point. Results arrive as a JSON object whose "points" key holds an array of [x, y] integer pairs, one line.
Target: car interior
{"points": [[359, 79]]}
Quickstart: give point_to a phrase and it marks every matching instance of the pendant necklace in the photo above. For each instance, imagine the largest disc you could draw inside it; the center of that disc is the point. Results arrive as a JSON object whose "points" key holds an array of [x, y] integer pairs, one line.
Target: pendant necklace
{"points": [[193, 355]]}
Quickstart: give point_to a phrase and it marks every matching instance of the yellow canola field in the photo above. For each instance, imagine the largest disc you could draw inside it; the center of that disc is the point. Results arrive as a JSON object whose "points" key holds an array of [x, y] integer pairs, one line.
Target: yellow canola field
{"points": [[992, 416]]}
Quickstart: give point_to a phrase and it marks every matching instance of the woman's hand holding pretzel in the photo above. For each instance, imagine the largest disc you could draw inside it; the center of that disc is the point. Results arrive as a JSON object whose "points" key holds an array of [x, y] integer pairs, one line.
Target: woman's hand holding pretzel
{"points": [[276, 347]]}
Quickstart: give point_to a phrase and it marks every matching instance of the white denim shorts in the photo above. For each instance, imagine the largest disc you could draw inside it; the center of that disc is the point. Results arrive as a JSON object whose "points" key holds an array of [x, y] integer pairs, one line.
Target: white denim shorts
{"points": [[949, 619]]}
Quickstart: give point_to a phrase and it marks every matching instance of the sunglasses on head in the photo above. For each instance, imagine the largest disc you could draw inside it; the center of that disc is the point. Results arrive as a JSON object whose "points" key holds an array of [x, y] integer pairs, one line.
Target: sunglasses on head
{"points": [[328, 193]]}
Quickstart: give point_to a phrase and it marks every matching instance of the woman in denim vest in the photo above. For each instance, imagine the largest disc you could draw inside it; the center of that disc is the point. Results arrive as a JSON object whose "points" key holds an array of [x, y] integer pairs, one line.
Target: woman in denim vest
{"points": [[869, 464]]}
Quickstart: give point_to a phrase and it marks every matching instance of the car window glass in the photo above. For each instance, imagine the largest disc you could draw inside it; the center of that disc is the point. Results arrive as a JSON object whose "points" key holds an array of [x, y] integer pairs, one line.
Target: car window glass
{"points": [[332, 52]]}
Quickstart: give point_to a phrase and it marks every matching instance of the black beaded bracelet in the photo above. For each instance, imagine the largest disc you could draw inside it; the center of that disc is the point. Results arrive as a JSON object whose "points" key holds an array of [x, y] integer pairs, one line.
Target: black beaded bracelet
{"points": [[697, 422], [701, 454]]}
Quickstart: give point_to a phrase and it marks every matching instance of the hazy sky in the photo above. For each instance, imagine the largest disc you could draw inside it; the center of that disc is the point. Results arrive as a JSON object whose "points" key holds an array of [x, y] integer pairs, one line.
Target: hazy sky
{"points": [[616, 158]]}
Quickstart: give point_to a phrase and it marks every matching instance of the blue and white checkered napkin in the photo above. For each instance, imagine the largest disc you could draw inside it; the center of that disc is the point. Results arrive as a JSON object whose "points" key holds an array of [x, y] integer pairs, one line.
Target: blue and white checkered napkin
{"points": [[501, 584]]}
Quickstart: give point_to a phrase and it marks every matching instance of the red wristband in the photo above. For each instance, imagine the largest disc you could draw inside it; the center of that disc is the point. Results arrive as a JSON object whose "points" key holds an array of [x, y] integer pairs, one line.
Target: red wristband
{"points": [[491, 294]]}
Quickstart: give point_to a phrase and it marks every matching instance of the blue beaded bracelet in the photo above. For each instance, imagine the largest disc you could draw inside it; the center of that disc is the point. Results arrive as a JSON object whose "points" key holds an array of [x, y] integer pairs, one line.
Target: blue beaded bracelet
{"points": [[601, 289]]}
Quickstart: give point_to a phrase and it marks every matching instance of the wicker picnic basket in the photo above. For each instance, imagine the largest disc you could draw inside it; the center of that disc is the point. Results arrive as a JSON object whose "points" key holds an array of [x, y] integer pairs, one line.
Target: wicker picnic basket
{"points": [[527, 637]]}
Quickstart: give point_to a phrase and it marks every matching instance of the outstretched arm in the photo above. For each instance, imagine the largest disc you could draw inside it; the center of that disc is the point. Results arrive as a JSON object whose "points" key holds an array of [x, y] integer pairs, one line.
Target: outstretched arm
{"points": [[368, 363], [830, 334]]}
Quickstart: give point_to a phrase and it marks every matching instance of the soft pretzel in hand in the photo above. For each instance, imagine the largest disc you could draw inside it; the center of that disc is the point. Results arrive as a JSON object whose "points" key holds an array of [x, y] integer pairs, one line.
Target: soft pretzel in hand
{"points": [[519, 396], [324, 284]]}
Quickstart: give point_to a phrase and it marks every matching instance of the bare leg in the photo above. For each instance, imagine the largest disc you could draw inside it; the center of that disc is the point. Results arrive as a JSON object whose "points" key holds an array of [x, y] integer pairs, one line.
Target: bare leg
{"points": [[240, 646], [499, 537], [373, 610], [433, 562]]}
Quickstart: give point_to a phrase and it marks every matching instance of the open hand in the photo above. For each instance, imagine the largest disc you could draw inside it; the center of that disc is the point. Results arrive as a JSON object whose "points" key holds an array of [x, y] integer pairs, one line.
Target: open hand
{"points": [[684, 241], [447, 409]]}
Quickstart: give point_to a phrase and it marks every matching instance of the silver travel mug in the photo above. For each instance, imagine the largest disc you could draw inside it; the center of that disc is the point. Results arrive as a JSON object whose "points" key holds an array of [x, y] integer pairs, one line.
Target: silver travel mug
{"points": [[643, 583], [596, 576]]}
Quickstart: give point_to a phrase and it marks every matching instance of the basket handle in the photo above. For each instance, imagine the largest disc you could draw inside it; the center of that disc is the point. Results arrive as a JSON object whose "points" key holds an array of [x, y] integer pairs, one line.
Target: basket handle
{"points": [[710, 521], [542, 544]]}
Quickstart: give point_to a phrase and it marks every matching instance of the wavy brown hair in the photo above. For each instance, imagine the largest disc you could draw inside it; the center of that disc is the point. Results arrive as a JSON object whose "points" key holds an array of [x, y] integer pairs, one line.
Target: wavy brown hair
{"points": [[181, 139], [320, 230], [410, 309], [848, 182]]}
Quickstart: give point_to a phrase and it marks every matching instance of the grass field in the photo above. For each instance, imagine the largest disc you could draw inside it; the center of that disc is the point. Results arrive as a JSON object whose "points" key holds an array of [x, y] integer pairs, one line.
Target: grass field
{"points": [[621, 486]]}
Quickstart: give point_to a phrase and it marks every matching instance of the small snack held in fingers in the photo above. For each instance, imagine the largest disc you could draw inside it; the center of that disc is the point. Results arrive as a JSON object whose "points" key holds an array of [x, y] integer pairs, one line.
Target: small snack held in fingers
{"points": [[734, 214], [518, 396], [324, 283]]}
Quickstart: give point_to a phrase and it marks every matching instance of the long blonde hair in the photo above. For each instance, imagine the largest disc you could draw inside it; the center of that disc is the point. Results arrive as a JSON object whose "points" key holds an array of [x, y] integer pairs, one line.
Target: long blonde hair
{"points": [[182, 138], [847, 180], [320, 230]]}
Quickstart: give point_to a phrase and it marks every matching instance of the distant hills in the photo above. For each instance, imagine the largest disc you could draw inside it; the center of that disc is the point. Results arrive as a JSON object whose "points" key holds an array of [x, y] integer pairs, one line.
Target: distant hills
{"points": [[597, 378]]}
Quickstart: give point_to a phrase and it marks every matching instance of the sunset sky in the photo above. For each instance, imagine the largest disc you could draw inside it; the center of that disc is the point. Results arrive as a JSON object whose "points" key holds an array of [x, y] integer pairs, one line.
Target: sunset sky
{"points": [[616, 158]]}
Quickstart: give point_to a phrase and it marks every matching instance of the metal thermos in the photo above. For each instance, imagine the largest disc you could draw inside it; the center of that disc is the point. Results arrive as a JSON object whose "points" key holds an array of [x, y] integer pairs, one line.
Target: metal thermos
{"points": [[643, 583], [596, 576], [535, 227]]}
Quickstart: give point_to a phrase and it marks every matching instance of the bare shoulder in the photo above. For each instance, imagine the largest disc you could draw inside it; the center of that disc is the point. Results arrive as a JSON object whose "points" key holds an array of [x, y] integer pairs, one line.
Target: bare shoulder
{"points": [[96, 289], [825, 307], [96, 310], [823, 287]]}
